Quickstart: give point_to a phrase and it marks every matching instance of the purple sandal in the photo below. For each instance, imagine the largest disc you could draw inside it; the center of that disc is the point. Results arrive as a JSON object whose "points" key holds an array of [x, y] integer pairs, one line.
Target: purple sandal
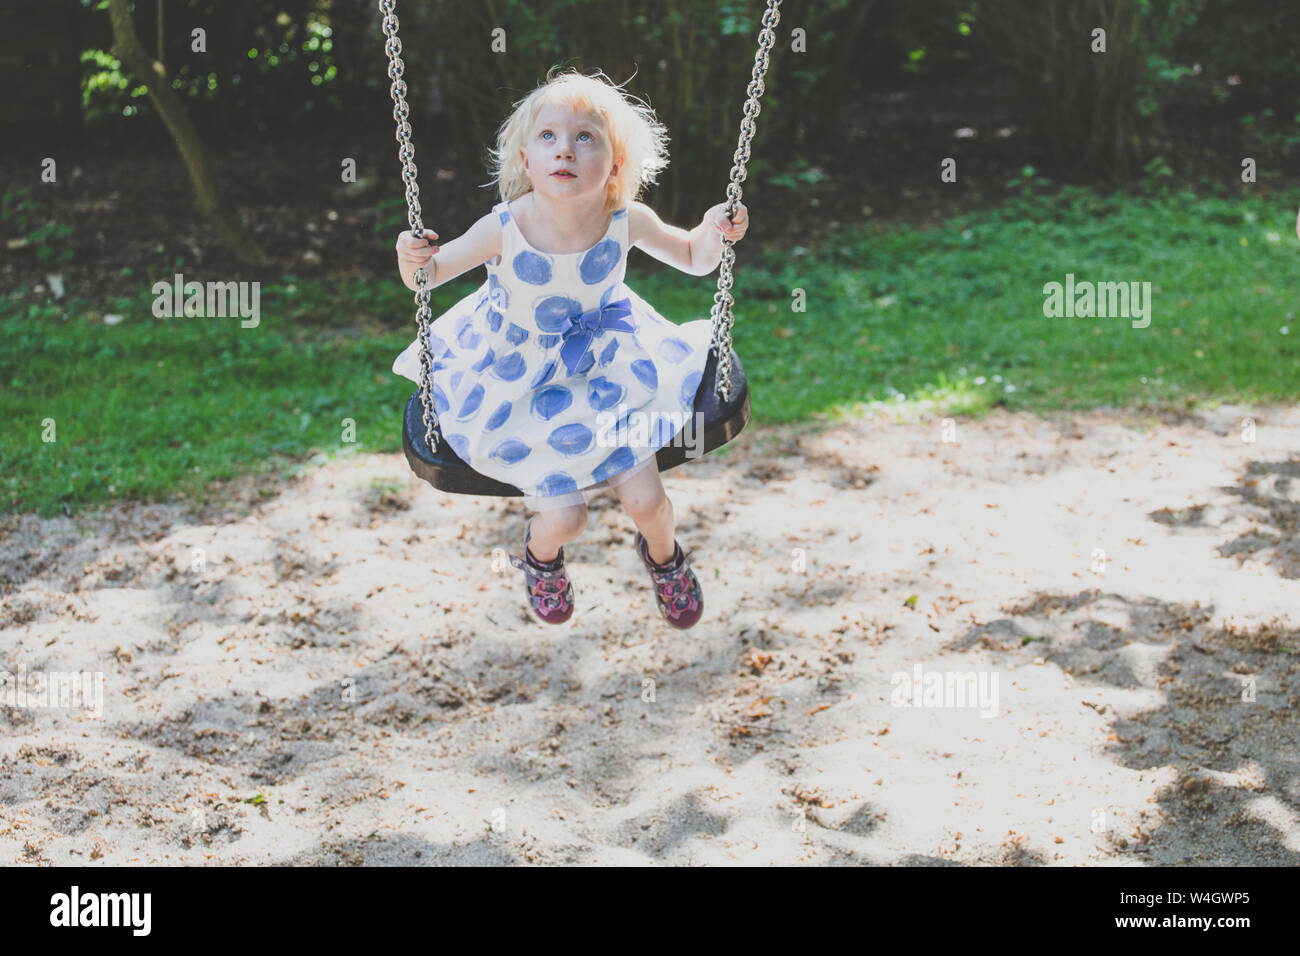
{"points": [[677, 590], [549, 591]]}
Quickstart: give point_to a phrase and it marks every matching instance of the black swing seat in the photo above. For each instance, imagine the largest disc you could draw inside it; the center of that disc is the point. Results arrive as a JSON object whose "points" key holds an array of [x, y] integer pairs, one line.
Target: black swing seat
{"points": [[722, 421]]}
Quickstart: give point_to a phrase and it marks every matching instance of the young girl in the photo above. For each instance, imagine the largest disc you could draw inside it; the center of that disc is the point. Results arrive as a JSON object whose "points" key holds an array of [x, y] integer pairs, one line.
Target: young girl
{"points": [[541, 376]]}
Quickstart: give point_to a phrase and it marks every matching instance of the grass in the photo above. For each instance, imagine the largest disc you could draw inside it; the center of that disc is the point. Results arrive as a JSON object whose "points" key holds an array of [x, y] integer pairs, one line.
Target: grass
{"points": [[949, 318], [956, 312]]}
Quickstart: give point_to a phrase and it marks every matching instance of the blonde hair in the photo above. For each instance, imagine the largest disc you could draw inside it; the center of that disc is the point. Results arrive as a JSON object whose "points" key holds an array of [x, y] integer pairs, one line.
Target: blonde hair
{"points": [[638, 140]]}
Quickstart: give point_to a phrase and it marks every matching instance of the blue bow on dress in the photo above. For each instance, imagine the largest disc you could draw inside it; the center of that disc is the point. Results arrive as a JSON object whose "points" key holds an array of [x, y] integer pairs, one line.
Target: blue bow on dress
{"points": [[582, 328]]}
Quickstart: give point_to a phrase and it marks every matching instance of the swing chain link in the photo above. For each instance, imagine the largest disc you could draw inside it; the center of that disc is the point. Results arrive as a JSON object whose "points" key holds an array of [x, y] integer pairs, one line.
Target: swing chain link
{"points": [[406, 153], [722, 299]]}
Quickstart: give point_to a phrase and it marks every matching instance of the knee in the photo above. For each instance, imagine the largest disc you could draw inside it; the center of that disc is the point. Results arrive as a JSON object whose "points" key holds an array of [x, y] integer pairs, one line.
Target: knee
{"points": [[643, 508], [569, 522]]}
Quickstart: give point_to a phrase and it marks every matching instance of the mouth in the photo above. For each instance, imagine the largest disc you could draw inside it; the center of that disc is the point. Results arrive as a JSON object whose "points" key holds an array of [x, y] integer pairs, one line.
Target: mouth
{"points": [[563, 174]]}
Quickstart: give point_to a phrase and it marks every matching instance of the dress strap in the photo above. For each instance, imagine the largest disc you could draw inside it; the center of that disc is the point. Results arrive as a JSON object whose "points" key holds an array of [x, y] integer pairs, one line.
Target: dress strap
{"points": [[620, 228], [504, 219]]}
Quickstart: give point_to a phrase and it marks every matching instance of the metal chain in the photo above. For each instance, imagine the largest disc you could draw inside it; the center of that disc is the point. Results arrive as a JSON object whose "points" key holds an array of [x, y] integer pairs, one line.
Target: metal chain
{"points": [[722, 300], [406, 153]]}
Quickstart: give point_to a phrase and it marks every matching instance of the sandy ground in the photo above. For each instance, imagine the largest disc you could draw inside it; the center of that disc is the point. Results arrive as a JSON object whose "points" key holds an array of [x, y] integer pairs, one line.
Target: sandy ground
{"points": [[347, 671]]}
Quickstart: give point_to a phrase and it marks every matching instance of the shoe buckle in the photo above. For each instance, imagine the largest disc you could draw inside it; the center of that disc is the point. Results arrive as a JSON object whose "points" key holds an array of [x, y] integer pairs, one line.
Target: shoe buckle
{"points": [[665, 576], [534, 573]]}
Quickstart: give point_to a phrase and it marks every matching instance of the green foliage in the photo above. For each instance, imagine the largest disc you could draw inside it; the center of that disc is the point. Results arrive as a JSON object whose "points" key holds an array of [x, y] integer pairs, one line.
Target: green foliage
{"points": [[301, 61], [1158, 177], [1028, 183], [797, 176], [928, 39], [49, 237], [1166, 22], [19, 214], [105, 90], [1234, 56], [391, 217], [691, 61], [263, 56], [306, 61], [1262, 128], [17, 209], [1109, 114], [1160, 73]]}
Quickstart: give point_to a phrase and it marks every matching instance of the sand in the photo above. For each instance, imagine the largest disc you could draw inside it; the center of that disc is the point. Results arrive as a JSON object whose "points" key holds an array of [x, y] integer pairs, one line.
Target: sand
{"points": [[347, 672]]}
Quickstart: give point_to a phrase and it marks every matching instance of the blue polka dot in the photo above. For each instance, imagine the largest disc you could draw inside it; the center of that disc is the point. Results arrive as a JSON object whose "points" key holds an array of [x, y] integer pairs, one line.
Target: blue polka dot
{"points": [[548, 341], [621, 460], [599, 261], [618, 214], [516, 335], [469, 408], [556, 483], [552, 313], [498, 418], [607, 355], [466, 337], [436, 345], [498, 294], [572, 439], [494, 320], [673, 350], [603, 394], [532, 268], [645, 373], [544, 376], [504, 216], [550, 401], [440, 403], [510, 367], [460, 445], [456, 376], [488, 358], [690, 385], [510, 452], [585, 363]]}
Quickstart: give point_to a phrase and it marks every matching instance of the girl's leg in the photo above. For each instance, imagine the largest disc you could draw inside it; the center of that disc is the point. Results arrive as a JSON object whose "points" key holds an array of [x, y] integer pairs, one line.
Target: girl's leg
{"points": [[647, 504], [552, 529]]}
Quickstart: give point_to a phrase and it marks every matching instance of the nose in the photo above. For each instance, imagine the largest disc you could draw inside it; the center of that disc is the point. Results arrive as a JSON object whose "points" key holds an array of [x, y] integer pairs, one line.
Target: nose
{"points": [[563, 149]]}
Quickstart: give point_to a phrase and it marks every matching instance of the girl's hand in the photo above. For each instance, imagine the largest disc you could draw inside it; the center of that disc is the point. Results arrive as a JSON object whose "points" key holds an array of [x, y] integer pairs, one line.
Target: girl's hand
{"points": [[729, 229], [414, 253]]}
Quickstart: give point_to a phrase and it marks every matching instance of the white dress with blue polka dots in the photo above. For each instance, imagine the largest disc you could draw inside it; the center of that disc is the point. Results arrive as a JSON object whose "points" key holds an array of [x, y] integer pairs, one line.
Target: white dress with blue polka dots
{"points": [[548, 376]]}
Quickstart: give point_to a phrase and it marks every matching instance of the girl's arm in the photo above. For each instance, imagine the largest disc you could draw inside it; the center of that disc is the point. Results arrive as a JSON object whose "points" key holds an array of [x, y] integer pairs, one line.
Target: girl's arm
{"points": [[696, 252], [480, 243]]}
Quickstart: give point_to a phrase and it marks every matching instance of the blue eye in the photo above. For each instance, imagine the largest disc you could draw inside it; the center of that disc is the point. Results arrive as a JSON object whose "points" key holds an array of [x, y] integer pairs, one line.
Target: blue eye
{"points": [[546, 133]]}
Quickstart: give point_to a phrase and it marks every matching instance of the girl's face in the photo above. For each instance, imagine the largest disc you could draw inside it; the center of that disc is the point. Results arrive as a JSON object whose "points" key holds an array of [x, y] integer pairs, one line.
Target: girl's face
{"points": [[568, 154]]}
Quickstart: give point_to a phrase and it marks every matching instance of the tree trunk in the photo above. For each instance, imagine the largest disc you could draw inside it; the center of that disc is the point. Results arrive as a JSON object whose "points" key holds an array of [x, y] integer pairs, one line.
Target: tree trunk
{"points": [[127, 48]]}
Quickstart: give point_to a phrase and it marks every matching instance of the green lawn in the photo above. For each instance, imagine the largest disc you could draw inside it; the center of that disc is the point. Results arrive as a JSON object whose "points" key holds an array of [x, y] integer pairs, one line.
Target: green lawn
{"points": [[150, 407]]}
